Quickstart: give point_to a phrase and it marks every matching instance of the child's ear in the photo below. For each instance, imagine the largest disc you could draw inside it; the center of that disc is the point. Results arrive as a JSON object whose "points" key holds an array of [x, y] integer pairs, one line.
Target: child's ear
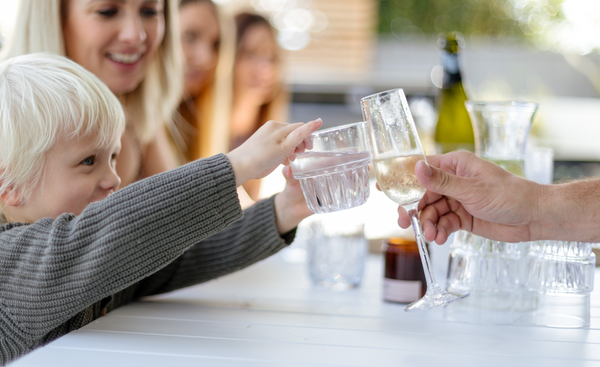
{"points": [[11, 197]]}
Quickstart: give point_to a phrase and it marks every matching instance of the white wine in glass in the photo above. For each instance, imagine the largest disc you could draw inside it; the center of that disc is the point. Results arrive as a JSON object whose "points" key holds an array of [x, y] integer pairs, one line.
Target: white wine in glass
{"points": [[396, 177], [395, 150]]}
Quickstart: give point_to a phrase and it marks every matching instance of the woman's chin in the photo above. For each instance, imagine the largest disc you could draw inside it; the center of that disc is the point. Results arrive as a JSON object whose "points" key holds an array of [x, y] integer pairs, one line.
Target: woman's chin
{"points": [[195, 87], [123, 87]]}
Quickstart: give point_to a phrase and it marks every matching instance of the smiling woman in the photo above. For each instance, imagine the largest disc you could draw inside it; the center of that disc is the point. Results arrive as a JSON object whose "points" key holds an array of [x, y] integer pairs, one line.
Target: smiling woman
{"points": [[116, 41], [133, 47]]}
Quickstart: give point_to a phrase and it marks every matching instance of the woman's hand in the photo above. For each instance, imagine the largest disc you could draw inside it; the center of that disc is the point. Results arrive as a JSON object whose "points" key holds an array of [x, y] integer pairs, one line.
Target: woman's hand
{"points": [[290, 205]]}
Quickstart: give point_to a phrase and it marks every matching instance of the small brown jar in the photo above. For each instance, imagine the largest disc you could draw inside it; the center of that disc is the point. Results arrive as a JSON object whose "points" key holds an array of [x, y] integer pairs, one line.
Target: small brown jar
{"points": [[404, 278]]}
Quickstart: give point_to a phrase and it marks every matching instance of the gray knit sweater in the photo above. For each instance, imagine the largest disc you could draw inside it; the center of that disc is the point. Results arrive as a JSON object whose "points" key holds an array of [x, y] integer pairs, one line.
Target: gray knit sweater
{"points": [[166, 232]]}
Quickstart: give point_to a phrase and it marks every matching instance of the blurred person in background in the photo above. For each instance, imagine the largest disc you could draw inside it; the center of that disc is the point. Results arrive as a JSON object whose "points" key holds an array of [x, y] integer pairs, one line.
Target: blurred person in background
{"points": [[208, 41], [202, 120], [133, 46], [258, 93], [207, 122]]}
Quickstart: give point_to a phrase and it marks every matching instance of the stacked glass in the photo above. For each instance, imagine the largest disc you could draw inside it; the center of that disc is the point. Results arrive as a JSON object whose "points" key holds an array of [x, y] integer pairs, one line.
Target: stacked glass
{"points": [[489, 270], [561, 275]]}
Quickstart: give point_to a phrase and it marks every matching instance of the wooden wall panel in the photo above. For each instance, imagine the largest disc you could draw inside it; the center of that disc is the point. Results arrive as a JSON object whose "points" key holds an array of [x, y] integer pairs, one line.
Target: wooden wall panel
{"points": [[342, 50]]}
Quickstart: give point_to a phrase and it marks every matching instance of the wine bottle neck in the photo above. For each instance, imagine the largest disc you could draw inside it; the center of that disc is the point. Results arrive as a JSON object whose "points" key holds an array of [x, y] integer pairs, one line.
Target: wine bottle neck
{"points": [[451, 69]]}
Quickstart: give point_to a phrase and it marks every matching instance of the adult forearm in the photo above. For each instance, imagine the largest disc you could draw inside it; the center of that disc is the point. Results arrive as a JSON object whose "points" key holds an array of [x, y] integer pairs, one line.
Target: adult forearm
{"points": [[569, 211]]}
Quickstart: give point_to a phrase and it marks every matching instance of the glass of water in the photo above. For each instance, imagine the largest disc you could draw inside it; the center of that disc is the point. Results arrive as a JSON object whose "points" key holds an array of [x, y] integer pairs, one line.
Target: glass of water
{"points": [[396, 149], [333, 171]]}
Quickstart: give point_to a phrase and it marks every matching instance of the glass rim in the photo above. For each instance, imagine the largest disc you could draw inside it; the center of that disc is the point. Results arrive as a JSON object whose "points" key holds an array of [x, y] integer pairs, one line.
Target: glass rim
{"points": [[380, 94], [340, 127], [502, 104]]}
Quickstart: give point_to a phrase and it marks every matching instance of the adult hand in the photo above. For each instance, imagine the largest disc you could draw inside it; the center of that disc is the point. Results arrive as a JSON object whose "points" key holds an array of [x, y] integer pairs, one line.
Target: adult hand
{"points": [[466, 192], [267, 148], [290, 205]]}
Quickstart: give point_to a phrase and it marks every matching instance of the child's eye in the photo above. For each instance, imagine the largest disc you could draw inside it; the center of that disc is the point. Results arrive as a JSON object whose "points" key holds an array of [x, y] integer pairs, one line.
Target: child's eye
{"points": [[89, 161], [107, 12], [113, 159]]}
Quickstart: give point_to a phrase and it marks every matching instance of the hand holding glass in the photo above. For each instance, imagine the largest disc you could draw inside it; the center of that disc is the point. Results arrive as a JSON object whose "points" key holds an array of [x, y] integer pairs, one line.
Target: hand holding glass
{"points": [[395, 150], [333, 171]]}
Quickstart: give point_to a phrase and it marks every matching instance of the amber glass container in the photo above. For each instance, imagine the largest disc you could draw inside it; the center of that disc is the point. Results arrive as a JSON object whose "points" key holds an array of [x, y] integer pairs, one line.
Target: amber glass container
{"points": [[404, 278]]}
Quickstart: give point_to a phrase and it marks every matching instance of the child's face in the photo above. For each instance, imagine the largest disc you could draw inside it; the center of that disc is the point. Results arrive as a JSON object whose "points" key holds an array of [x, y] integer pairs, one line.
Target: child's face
{"points": [[76, 175]]}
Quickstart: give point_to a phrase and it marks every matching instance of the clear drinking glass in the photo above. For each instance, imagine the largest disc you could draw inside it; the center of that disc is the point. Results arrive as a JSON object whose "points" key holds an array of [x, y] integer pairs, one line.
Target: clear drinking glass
{"points": [[561, 273], [395, 150], [539, 165], [501, 130], [333, 171], [337, 249]]}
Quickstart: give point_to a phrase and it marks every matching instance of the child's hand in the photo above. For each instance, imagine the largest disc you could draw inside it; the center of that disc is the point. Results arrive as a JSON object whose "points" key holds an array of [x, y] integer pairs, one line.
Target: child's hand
{"points": [[269, 147], [290, 205]]}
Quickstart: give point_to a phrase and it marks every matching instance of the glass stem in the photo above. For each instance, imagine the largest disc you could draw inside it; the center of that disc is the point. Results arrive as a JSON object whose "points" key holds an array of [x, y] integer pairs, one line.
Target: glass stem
{"points": [[432, 285]]}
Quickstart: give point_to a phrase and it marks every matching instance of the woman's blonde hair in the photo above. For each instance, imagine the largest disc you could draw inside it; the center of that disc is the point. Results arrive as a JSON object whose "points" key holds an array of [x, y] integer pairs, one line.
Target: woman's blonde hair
{"points": [[45, 98], [39, 29]]}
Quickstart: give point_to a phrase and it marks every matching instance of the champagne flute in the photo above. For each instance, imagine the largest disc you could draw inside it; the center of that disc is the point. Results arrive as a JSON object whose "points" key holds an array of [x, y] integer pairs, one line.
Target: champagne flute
{"points": [[396, 149]]}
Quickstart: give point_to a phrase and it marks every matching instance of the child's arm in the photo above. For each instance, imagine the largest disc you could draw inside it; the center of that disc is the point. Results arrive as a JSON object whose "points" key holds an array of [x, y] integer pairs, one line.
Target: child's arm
{"points": [[54, 268], [267, 227], [245, 242]]}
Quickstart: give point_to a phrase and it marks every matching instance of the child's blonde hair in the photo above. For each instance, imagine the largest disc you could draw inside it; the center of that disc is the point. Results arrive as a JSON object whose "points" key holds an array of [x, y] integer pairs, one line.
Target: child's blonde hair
{"points": [[45, 98], [152, 103]]}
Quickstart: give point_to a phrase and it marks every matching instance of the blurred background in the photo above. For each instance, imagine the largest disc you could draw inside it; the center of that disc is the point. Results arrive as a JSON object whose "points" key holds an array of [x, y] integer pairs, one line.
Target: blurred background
{"points": [[337, 51]]}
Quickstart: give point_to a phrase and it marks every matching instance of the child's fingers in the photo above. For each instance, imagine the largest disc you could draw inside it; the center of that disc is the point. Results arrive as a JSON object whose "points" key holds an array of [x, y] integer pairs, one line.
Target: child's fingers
{"points": [[308, 143], [299, 132], [287, 173]]}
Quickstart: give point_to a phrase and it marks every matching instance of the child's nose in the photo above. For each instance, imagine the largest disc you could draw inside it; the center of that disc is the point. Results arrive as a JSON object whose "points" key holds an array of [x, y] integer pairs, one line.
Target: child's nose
{"points": [[111, 180]]}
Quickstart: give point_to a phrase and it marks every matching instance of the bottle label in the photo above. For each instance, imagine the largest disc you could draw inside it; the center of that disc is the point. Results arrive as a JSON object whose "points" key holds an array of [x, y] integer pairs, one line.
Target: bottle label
{"points": [[401, 290]]}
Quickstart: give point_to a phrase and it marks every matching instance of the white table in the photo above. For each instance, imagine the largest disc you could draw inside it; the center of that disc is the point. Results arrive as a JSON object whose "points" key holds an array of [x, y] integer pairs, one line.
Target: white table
{"points": [[269, 315]]}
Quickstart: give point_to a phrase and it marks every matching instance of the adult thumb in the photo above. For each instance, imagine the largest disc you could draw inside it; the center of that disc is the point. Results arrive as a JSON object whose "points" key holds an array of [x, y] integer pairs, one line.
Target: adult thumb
{"points": [[440, 182]]}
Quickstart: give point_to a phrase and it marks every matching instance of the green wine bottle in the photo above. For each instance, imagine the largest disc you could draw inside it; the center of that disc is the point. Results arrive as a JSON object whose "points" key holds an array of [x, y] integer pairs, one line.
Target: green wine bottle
{"points": [[454, 130]]}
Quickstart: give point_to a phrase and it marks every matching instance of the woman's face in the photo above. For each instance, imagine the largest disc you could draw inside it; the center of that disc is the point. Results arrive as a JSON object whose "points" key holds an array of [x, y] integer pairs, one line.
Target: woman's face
{"points": [[256, 65], [114, 39], [200, 35]]}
